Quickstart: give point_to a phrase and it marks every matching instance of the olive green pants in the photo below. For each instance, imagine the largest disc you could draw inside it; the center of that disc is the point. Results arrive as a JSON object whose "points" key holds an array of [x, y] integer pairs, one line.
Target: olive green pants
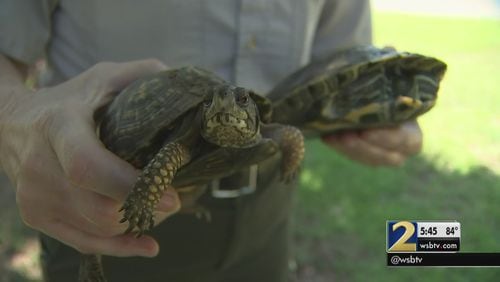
{"points": [[246, 240]]}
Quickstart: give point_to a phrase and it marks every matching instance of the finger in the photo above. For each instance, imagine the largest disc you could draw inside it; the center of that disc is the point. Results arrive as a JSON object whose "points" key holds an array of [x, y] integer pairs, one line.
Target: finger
{"points": [[40, 188], [44, 193], [121, 246], [86, 162], [98, 214], [51, 202], [104, 80], [118, 75], [101, 216], [406, 138], [387, 138], [355, 148], [414, 141], [169, 202]]}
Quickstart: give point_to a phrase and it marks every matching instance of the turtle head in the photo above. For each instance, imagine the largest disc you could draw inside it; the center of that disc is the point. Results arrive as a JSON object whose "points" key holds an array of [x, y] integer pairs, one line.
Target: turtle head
{"points": [[230, 118]]}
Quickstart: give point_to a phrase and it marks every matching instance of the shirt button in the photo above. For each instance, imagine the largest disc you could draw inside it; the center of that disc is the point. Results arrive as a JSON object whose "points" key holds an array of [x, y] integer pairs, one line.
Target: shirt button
{"points": [[252, 42]]}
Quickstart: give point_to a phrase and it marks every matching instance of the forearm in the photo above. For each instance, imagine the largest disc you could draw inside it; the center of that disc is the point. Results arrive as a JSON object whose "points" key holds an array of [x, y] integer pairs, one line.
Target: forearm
{"points": [[12, 74], [12, 86]]}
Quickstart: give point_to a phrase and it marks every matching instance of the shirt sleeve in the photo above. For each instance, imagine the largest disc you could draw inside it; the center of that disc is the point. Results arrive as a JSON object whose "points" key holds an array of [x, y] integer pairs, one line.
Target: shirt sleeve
{"points": [[25, 27], [342, 24]]}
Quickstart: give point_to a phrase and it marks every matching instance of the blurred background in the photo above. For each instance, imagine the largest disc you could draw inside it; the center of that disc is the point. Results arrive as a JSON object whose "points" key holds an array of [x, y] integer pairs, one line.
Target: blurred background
{"points": [[342, 206]]}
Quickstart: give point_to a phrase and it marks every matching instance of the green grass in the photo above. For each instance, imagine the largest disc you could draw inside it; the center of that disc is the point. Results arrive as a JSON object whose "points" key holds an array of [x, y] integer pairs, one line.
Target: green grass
{"points": [[342, 206]]}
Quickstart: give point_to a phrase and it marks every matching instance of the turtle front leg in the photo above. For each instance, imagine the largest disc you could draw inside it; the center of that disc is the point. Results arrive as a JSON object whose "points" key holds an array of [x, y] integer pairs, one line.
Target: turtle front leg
{"points": [[291, 143], [151, 183]]}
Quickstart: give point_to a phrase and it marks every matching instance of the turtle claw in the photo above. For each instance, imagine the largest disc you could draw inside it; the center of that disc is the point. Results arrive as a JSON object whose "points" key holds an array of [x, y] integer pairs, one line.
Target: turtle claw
{"points": [[288, 177], [289, 173], [129, 229], [139, 217]]}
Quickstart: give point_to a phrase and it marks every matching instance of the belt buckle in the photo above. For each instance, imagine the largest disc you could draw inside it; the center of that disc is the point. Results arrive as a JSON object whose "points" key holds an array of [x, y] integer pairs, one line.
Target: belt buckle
{"points": [[234, 193]]}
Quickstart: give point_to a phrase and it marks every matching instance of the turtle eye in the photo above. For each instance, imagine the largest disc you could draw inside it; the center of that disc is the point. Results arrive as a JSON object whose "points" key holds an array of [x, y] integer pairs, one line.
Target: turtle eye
{"points": [[243, 99], [207, 102]]}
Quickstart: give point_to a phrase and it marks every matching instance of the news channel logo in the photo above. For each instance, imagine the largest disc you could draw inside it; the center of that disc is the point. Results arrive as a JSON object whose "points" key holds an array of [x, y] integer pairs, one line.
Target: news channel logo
{"points": [[431, 243], [422, 236]]}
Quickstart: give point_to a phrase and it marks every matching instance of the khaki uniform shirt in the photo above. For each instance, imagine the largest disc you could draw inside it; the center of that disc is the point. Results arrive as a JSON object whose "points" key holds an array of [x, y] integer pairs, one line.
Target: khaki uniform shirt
{"points": [[252, 43]]}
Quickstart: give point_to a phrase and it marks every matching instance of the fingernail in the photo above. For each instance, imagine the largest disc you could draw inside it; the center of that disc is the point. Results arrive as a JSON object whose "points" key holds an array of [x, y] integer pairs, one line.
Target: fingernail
{"points": [[150, 249], [167, 202]]}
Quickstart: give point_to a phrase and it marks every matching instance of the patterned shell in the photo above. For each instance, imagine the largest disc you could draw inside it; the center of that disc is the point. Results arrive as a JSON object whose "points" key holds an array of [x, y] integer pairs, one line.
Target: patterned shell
{"points": [[357, 87], [135, 124]]}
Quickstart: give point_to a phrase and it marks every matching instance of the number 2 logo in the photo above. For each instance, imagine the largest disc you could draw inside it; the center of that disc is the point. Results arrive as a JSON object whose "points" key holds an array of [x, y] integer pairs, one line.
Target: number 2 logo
{"points": [[402, 244]]}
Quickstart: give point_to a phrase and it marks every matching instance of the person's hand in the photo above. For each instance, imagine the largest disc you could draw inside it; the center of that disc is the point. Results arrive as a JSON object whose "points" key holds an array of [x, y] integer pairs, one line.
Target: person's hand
{"points": [[381, 146], [68, 185]]}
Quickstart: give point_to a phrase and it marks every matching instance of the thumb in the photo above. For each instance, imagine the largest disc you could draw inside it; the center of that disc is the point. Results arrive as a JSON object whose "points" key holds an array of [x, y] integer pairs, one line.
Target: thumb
{"points": [[118, 75], [104, 80]]}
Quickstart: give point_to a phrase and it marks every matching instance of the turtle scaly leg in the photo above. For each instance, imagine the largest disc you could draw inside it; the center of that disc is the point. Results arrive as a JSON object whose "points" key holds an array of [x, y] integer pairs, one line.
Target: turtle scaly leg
{"points": [[291, 142], [293, 148], [151, 183]]}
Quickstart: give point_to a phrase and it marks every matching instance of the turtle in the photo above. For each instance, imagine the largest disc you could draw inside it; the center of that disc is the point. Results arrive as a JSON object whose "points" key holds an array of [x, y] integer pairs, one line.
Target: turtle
{"points": [[161, 122], [186, 119], [359, 87]]}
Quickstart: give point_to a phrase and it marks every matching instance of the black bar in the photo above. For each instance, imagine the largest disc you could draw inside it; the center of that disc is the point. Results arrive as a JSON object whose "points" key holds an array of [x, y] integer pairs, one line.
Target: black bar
{"points": [[443, 259], [438, 244]]}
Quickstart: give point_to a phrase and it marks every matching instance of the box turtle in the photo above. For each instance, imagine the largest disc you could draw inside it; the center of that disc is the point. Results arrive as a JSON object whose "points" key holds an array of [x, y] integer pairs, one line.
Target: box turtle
{"points": [[359, 87], [162, 122], [187, 119]]}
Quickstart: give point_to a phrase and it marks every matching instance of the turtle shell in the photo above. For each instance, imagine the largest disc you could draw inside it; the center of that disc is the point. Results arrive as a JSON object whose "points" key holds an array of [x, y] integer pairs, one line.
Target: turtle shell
{"points": [[135, 124], [360, 87]]}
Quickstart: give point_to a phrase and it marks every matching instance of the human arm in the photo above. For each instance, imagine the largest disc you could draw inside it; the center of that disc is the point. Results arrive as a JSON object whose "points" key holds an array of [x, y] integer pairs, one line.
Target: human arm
{"points": [[68, 185]]}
